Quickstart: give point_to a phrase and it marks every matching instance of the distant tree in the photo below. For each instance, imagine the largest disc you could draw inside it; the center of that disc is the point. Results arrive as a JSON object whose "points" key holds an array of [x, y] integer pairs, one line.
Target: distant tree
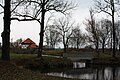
{"points": [[64, 28], [77, 38], [105, 32], [17, 43], [118, 35], [92, 30], [109, 7], [37, 9], [52, 36]]}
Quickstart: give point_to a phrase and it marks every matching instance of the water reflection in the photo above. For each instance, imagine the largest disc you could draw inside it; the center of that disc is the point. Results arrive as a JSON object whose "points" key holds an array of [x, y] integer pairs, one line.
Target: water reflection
{"points": [[78, 65], [97, 73], [108, 73]]}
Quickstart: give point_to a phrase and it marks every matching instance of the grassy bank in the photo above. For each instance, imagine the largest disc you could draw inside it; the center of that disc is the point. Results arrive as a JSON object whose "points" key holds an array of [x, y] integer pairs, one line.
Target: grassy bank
{"points": [[54, 52], [31, 61], [44, 63], [106, 59], [9, 71], [19, 67]]}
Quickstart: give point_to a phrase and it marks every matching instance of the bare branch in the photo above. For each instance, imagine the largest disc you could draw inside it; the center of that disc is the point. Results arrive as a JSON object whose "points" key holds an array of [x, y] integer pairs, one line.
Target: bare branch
{"points": [[26, 18], [106, 12], [22, 19], [103, 7], [48, 21], [1, 6], [61, 7], [37, 2], [17, 6], [1, 12]]}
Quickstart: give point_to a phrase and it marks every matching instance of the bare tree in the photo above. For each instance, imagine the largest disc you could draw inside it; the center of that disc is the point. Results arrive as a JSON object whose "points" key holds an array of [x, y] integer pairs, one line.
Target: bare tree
{"points": [[52, 36], [77, 38], [118, 35], [7, 10], [105, 32], [6, 32], [39, 10], [109, 7], [17, 43], [92, 29], [64, 26]]}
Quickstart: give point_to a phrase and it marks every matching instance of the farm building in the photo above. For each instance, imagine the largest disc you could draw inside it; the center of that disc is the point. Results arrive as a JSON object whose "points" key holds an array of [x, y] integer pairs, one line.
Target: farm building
{"points": [[28, 44]]}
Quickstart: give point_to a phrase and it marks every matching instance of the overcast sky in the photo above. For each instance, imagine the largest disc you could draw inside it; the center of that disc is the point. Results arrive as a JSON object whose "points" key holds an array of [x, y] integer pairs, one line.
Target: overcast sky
{"points": [[31, 29]]}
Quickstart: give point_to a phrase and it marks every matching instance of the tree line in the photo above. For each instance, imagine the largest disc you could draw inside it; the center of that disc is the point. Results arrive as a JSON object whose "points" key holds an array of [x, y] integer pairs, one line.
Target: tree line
{"points": [[29, 10], [100, 33], [103, 33]]}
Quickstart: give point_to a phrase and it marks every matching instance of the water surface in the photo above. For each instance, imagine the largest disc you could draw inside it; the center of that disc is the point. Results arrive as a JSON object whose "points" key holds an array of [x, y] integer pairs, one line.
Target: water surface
{"points": [[81, 71]]}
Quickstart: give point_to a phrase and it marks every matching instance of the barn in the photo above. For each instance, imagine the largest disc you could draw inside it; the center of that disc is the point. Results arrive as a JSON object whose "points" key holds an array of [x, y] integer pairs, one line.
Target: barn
{"points": [[28, 47], [28, 44]]}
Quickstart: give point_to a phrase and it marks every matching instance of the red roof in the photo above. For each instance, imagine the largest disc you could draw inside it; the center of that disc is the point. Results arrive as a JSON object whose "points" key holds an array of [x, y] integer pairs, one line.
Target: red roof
{"points": [[28, 41], [33, 46]]}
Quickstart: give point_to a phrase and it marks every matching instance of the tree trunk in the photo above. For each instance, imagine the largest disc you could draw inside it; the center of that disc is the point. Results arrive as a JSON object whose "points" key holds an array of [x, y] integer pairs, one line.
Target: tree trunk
{"points": [[6, 32], [103, 46], [41, 31], [113, 25], [65, 47], [111, 42], [97, 45], [77, 43]]}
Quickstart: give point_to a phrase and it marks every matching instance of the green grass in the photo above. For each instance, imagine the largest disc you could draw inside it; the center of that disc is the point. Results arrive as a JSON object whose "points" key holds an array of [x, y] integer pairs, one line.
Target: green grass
{"points": [[13, 55], [43, 64], [53, 52], [106, 58], [22, 56], [31, 60]]}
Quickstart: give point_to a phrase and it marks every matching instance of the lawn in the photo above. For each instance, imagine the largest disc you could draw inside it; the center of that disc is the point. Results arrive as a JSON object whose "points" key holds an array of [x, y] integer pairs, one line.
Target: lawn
{"points": [[54, 52], [106, 58]]}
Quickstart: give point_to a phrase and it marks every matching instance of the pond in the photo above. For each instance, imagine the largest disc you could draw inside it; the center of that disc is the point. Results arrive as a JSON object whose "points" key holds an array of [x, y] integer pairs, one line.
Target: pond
{"points": [[82, 71]]}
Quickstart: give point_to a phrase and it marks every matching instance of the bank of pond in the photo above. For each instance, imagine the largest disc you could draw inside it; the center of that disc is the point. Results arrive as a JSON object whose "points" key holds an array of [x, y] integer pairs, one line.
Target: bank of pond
{"points": [[64, 68], [51, 68]]}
